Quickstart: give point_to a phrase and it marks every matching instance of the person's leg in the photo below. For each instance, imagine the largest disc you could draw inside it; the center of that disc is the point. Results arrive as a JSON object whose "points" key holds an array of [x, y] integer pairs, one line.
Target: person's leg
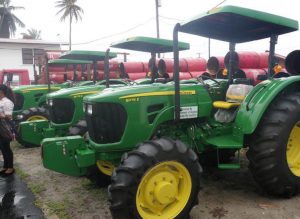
{"points": [[7, 156], [3, 151]]}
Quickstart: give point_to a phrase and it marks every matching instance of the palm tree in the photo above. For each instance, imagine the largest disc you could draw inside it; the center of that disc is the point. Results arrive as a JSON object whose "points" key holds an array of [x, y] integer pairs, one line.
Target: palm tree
{"points": [[68, 8], [8, 21], [33, 34]]}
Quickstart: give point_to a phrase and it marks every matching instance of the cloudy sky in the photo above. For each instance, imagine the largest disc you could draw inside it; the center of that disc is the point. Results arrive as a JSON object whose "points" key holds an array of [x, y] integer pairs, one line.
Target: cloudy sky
{"points": [[108, 21]]}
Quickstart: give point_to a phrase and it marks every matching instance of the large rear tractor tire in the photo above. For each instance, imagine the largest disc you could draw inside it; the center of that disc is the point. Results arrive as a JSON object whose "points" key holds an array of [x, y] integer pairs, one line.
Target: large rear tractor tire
{"points": [[274, 153], [160, 179], [78, 129], [32, 114]]}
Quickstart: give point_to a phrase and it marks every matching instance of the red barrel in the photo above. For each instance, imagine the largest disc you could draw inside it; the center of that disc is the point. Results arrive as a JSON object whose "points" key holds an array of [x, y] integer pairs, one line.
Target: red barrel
{"points": [[59, 77], [146, 68], [264, 60], [196, 64], [253, 73], [132, 67], [134, 76], [244, 60], [183, 65], [113, 65]]}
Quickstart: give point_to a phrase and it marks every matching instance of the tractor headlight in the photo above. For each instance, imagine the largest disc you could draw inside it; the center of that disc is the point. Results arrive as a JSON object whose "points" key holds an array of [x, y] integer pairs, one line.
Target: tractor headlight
{"points": [[89, 109], [20, 117], [50, 102]]}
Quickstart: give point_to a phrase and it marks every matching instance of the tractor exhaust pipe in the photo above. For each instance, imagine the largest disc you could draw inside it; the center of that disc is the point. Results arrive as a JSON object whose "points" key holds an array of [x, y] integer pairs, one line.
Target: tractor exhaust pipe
{"points": [[292, 62], [176, 72]]}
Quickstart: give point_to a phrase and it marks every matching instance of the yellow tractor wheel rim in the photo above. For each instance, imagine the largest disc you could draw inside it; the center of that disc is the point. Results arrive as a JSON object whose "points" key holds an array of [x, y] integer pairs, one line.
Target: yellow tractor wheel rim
{"points": [[293, 150], [37, 117], [105, 167], [164, 191]]}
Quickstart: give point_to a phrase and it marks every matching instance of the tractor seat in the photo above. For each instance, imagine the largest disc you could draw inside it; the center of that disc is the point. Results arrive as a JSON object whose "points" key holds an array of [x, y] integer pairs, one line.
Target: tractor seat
{"points": [[235, 94]]}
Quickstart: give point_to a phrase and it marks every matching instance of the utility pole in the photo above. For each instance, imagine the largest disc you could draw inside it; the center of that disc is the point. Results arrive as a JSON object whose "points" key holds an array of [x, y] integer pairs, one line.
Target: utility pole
{"points": [[157, 5]]}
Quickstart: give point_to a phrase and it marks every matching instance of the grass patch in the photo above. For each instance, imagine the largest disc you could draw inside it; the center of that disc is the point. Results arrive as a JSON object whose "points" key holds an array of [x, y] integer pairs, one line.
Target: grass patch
{"points": [[96, 191], [21, 173], [15, 145], [59, 208], [37, 188]]}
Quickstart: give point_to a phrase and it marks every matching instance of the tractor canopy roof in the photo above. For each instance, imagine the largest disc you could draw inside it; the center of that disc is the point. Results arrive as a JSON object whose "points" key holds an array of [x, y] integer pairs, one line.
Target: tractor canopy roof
{"points": [[68, 61], [87, 55], [149, 44], [238, 25]]}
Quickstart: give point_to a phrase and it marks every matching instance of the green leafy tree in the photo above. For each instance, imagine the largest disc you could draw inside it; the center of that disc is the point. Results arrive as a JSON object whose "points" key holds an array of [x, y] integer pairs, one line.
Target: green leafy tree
{"points": [[9, 21], [33, 34], [69, 9]]}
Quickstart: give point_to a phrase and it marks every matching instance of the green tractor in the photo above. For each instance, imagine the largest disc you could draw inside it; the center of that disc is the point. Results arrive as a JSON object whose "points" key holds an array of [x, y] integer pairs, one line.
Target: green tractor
{"points": [[65, 106], [148, 138], [31, 99]]}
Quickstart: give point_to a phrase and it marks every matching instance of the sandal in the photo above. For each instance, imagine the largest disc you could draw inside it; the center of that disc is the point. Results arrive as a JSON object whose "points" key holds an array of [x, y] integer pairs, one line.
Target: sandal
{"points": [[4, 174], [2, 171]]}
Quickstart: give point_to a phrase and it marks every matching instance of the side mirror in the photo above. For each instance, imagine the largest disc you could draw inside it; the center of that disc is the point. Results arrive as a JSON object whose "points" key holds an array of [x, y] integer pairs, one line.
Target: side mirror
{"points": [[262, 77]]}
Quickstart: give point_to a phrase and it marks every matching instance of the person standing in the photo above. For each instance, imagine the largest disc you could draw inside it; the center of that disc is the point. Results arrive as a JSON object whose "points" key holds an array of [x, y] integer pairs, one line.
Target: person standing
{"points": [[7, 100]]}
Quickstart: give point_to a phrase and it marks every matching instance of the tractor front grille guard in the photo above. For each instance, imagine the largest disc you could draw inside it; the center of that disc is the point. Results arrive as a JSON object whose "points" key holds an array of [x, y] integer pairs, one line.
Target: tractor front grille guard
{"points": [[106, 122], [61, 110]]}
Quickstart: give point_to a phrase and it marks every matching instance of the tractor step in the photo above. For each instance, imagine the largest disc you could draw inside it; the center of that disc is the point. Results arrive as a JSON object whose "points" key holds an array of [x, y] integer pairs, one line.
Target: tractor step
{"points": [[229, 166], [225, 141]]}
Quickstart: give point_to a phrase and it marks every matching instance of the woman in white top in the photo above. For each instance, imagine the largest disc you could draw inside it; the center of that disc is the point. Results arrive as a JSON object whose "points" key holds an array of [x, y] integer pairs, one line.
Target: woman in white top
{"points": [[6, 109]]}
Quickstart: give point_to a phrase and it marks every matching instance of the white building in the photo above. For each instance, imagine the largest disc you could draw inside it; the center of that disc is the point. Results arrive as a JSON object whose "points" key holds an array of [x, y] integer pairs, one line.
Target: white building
{"points": [[19, 53]]}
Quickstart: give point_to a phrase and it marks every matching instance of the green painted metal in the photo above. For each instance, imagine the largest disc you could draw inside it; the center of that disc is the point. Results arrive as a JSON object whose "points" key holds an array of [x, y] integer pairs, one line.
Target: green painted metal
{"points": [[32, 132], [258, 100], [149, 44], [63, 153], [67, 61], [236, 24], [33, 96], [86, 55], [230, 166]]}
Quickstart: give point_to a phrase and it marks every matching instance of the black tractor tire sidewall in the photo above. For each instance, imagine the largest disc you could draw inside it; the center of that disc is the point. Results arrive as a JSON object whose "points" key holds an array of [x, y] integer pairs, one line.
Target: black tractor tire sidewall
{"points": [[288, 184], [152, 153]]}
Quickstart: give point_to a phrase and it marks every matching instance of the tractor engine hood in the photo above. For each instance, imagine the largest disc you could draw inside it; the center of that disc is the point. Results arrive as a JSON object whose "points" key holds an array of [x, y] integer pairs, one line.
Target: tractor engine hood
{"points": [[120, 118]]}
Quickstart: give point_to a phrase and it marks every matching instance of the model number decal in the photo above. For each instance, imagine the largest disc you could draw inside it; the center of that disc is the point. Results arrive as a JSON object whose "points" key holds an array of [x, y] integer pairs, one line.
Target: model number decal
{"points": [[188, 112], [132, 100]]}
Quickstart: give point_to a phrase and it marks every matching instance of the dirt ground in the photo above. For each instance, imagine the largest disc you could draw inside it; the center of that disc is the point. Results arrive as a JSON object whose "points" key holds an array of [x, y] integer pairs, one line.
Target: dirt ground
{"points": [[225, 194]]}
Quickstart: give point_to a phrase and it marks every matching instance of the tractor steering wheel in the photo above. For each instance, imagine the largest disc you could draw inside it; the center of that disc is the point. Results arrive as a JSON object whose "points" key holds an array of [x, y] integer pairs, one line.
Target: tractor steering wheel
{"points": [[201, 79]]}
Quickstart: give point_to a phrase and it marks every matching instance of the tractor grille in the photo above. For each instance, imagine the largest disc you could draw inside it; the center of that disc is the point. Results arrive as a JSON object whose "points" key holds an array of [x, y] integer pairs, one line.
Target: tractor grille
{"points": [[107, 122], [62, 110], [19, 101]]}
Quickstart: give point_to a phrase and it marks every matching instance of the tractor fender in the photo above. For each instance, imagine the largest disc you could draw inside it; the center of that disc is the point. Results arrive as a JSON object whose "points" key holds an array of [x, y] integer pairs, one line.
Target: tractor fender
{"points": [[258, 100]]}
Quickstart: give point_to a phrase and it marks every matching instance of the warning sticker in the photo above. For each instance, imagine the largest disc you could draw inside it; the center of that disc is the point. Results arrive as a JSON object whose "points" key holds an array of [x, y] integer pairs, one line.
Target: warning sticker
{"points": [[188, 112]]}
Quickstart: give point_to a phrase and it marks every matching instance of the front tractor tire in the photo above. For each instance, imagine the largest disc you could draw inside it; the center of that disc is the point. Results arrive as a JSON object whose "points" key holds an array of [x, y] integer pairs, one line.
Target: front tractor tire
{"points": [[160, 179], [32, 114], [274, 153], [80, 128]]}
